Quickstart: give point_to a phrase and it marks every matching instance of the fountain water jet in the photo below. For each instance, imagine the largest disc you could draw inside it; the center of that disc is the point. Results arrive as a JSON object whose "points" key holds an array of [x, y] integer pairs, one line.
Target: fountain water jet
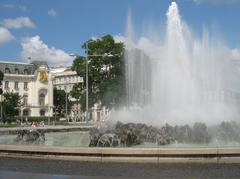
{"points": [[181, 81]]}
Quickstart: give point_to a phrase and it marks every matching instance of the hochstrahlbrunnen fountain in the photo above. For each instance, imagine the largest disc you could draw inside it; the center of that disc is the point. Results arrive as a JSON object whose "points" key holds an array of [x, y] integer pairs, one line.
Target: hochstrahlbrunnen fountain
{"points": [[187, 87]]}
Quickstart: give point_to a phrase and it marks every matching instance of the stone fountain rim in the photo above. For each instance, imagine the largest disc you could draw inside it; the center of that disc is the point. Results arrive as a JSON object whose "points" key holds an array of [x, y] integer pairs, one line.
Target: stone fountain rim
{"points": [[133, 155]]}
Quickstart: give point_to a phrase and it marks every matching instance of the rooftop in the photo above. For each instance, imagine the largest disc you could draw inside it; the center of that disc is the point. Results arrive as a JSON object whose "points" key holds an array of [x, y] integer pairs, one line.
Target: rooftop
{"points": [[13, 62]]}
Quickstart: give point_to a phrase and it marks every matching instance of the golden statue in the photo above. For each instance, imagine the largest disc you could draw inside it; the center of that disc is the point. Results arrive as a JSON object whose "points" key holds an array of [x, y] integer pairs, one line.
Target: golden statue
{"points": [[43, 76]]}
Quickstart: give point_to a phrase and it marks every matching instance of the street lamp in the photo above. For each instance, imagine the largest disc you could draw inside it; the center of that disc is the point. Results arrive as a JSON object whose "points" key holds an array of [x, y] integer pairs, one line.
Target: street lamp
{"points": [[87, 57], [1, 110], [50, 79], [66, 103]]}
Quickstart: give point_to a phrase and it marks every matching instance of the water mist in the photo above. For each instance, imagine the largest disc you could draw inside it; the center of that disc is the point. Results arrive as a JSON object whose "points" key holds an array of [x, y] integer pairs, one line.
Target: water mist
{"points": [[179, 80]]}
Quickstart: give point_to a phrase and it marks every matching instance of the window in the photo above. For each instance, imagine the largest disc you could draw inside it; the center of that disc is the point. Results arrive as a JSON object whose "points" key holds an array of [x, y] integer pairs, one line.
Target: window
{"points": [[25, 100], [25, 85], [80, 79], [25, 71], [98, 116], [7, 70], [16, 85], [42, 99], [16, 71], [42, 112], [26, 112], [6, 84]]}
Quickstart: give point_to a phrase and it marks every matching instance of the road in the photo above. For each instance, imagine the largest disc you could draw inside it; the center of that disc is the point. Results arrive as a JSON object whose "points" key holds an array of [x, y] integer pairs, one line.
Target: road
{"points": [[45, 168]]}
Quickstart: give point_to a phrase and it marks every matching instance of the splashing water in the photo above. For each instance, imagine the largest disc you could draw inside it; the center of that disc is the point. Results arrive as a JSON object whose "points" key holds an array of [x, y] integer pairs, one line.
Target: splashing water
{"points": [[180, 80]]}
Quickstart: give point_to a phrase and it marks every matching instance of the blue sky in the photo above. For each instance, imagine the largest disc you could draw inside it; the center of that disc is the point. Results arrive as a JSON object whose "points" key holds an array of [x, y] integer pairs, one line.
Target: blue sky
{"points": [[60, 27]]}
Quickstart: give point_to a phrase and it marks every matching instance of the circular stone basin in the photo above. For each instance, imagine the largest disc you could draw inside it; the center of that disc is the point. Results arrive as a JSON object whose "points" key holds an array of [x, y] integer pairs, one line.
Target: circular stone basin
{"points": [[71, 139], [81, 139]]}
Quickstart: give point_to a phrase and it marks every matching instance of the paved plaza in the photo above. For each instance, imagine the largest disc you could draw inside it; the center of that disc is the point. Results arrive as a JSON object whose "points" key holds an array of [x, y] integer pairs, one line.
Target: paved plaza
{"points": [[43, 168]]}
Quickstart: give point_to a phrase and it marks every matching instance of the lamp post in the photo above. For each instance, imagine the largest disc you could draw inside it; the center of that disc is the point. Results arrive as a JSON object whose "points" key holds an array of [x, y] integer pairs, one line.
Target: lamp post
{"points": [[55, 108], [87, 83], [1, 110], [66, 102], [49, 101], [21, 111]]}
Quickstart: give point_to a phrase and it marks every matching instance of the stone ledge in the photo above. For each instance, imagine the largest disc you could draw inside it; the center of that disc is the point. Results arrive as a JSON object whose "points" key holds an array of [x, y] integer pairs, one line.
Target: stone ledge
{"points": [[135, 155]]}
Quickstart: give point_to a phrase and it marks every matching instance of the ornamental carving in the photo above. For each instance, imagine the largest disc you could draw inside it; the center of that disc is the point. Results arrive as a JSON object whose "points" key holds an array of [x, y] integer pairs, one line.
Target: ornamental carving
{"points": [[43, 76]]}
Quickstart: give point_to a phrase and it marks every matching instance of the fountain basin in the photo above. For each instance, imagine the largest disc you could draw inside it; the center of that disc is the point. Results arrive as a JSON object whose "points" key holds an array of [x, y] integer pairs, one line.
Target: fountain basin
{"points": [[134, 155]]}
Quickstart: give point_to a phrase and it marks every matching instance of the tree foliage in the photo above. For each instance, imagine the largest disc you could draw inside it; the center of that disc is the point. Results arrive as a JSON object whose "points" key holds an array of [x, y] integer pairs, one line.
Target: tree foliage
{"points": [[1, 75], [1, 78], [106, 73], [59, 101], [11, 104]]}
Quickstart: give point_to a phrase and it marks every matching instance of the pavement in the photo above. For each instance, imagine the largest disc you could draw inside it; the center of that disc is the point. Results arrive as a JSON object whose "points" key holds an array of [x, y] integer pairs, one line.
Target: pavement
{"points": [[44, 168]]}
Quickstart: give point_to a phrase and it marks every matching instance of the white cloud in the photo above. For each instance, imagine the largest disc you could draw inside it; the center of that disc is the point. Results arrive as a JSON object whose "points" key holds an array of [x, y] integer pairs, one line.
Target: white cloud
{"points": [[217, 1], [35, 48], [235, 53], [8, 6], [52, 12], [18, 23], [23, 8], [119, 38], [5, 36]]}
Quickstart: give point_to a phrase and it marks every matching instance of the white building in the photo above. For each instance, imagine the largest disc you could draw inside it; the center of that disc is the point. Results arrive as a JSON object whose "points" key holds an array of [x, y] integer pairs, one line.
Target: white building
{"points": [[64, 79], [99, 112], [33, 81]]}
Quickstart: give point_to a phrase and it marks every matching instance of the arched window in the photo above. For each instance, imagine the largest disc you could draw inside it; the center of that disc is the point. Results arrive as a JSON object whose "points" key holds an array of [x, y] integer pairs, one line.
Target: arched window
{"points": [[41, 96], [42, 112], [7, 70], [25, 71], [41, 99], [25, 100], [6, 84], [16, 71]]}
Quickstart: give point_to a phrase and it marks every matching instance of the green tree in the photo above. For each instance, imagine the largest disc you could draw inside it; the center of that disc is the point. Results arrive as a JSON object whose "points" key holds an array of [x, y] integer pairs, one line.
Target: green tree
{"points": [[1, 91], [1, 78], [106, 73], [59, 101], [11, 104]]}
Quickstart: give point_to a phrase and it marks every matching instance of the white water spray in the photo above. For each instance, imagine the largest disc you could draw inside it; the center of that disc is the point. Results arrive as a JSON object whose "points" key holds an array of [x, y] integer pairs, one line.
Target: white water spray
{"points": [[181, 81]]}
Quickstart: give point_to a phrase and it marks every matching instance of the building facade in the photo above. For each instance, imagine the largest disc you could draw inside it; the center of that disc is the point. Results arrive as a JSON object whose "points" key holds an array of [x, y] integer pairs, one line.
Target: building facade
{"points": [[64, 79], [33, 82]]}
